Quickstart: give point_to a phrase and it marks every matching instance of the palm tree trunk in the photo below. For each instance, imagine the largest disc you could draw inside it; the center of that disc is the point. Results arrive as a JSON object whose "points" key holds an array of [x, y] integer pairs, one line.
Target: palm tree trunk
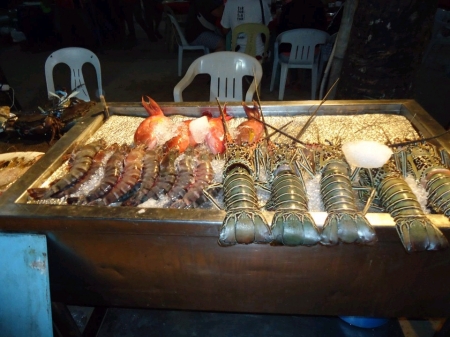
{"points": [[341, 44], [385, 48]]}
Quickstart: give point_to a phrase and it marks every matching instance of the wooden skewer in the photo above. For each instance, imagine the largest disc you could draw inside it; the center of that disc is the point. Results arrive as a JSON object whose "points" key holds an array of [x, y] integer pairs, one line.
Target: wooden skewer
{"points": [[105, 106]]}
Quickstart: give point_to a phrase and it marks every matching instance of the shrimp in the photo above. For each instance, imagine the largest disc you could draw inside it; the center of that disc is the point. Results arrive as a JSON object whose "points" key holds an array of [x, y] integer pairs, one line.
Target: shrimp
{"points": [[130, 176], [113, 170], [149, 174], [80, 166]]}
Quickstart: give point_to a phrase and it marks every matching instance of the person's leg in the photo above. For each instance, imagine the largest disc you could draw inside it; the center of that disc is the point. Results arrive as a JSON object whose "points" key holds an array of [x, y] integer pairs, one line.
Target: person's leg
{"points": [[153, 15], [158, 11], [211, 40], [145, 24], [127, 11], [117, 18]]}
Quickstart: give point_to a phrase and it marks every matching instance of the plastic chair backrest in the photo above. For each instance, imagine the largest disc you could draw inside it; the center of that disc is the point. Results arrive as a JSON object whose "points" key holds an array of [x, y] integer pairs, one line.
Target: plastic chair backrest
{"points": [[251, 31], [168, 10], [75, 58], [227, 70], [303, 44], [182, 40]]}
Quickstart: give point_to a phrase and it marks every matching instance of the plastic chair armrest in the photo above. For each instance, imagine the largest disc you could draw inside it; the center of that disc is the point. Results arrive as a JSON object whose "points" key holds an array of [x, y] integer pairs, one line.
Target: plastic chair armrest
{"points": [[183, 84], [250, 92]]}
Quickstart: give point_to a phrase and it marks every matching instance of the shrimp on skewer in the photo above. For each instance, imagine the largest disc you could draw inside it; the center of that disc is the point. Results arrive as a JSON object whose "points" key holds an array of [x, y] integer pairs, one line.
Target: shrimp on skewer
{"points": [[97, 163], [113, 170], [149, 174], [130, 176], [166, 178], [81, 163], [185, 176], [203, 175]]}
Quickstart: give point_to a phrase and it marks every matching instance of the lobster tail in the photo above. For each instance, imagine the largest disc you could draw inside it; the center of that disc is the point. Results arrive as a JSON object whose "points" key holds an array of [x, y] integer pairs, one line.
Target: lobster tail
{"points": [[419, 234], [438, 187], [294, 228], [244, 227], [348, 228]]}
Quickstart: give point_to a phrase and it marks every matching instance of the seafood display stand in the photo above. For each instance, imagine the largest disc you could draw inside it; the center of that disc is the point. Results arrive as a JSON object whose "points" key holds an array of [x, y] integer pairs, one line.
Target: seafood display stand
{"points": [[170, 258]]}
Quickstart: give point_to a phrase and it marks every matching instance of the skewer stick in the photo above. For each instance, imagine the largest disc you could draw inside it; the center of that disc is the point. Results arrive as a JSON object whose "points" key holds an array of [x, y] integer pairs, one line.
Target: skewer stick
{"points": [[310, 119], [102, 99]]}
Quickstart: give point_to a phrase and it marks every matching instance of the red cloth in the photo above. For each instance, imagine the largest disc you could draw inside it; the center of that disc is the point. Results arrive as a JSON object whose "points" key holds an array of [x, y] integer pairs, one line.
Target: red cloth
{"points": [[65, 4], [444, 4], [70, 4], [178, 7]]}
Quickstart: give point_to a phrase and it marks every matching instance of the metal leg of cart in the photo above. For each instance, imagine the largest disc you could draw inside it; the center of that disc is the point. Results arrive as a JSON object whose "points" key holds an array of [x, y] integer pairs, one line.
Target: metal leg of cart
{"points": [[64, 325], [444, 330]]}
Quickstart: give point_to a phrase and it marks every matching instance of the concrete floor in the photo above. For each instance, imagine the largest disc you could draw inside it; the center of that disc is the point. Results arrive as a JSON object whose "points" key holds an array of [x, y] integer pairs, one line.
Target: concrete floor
{"points": [[150, 69], [126, 322]]}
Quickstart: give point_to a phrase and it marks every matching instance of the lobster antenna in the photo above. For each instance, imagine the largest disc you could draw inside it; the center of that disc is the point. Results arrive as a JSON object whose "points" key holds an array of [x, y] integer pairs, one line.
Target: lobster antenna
{"points": [[310, 119], [295, 140], [224, 121], [266, 131], [281, 128], [419, 140]]}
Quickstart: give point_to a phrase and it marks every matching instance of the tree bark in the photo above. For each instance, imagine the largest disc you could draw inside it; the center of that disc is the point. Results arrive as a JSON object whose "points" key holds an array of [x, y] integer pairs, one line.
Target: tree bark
{"points": [[386, 46], [341, 43]]}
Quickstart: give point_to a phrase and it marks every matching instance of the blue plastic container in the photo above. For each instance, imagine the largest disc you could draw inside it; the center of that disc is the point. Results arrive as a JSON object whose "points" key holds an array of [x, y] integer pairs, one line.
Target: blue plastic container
{"points": [[364, 322]]}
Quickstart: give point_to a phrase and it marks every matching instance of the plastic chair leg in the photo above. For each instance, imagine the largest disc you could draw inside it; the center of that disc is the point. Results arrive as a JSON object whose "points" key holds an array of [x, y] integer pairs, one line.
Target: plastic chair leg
{"points": [[313, 83], [180, 60], [274, 74], [283, 77], [314, 78]]}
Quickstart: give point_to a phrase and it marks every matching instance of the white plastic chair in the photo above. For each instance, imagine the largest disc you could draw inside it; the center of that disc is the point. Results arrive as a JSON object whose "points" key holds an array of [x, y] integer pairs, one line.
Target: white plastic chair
{"points": [[170, 32], [226, 69], [75, 58], [303, 55], [183, 44]]}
